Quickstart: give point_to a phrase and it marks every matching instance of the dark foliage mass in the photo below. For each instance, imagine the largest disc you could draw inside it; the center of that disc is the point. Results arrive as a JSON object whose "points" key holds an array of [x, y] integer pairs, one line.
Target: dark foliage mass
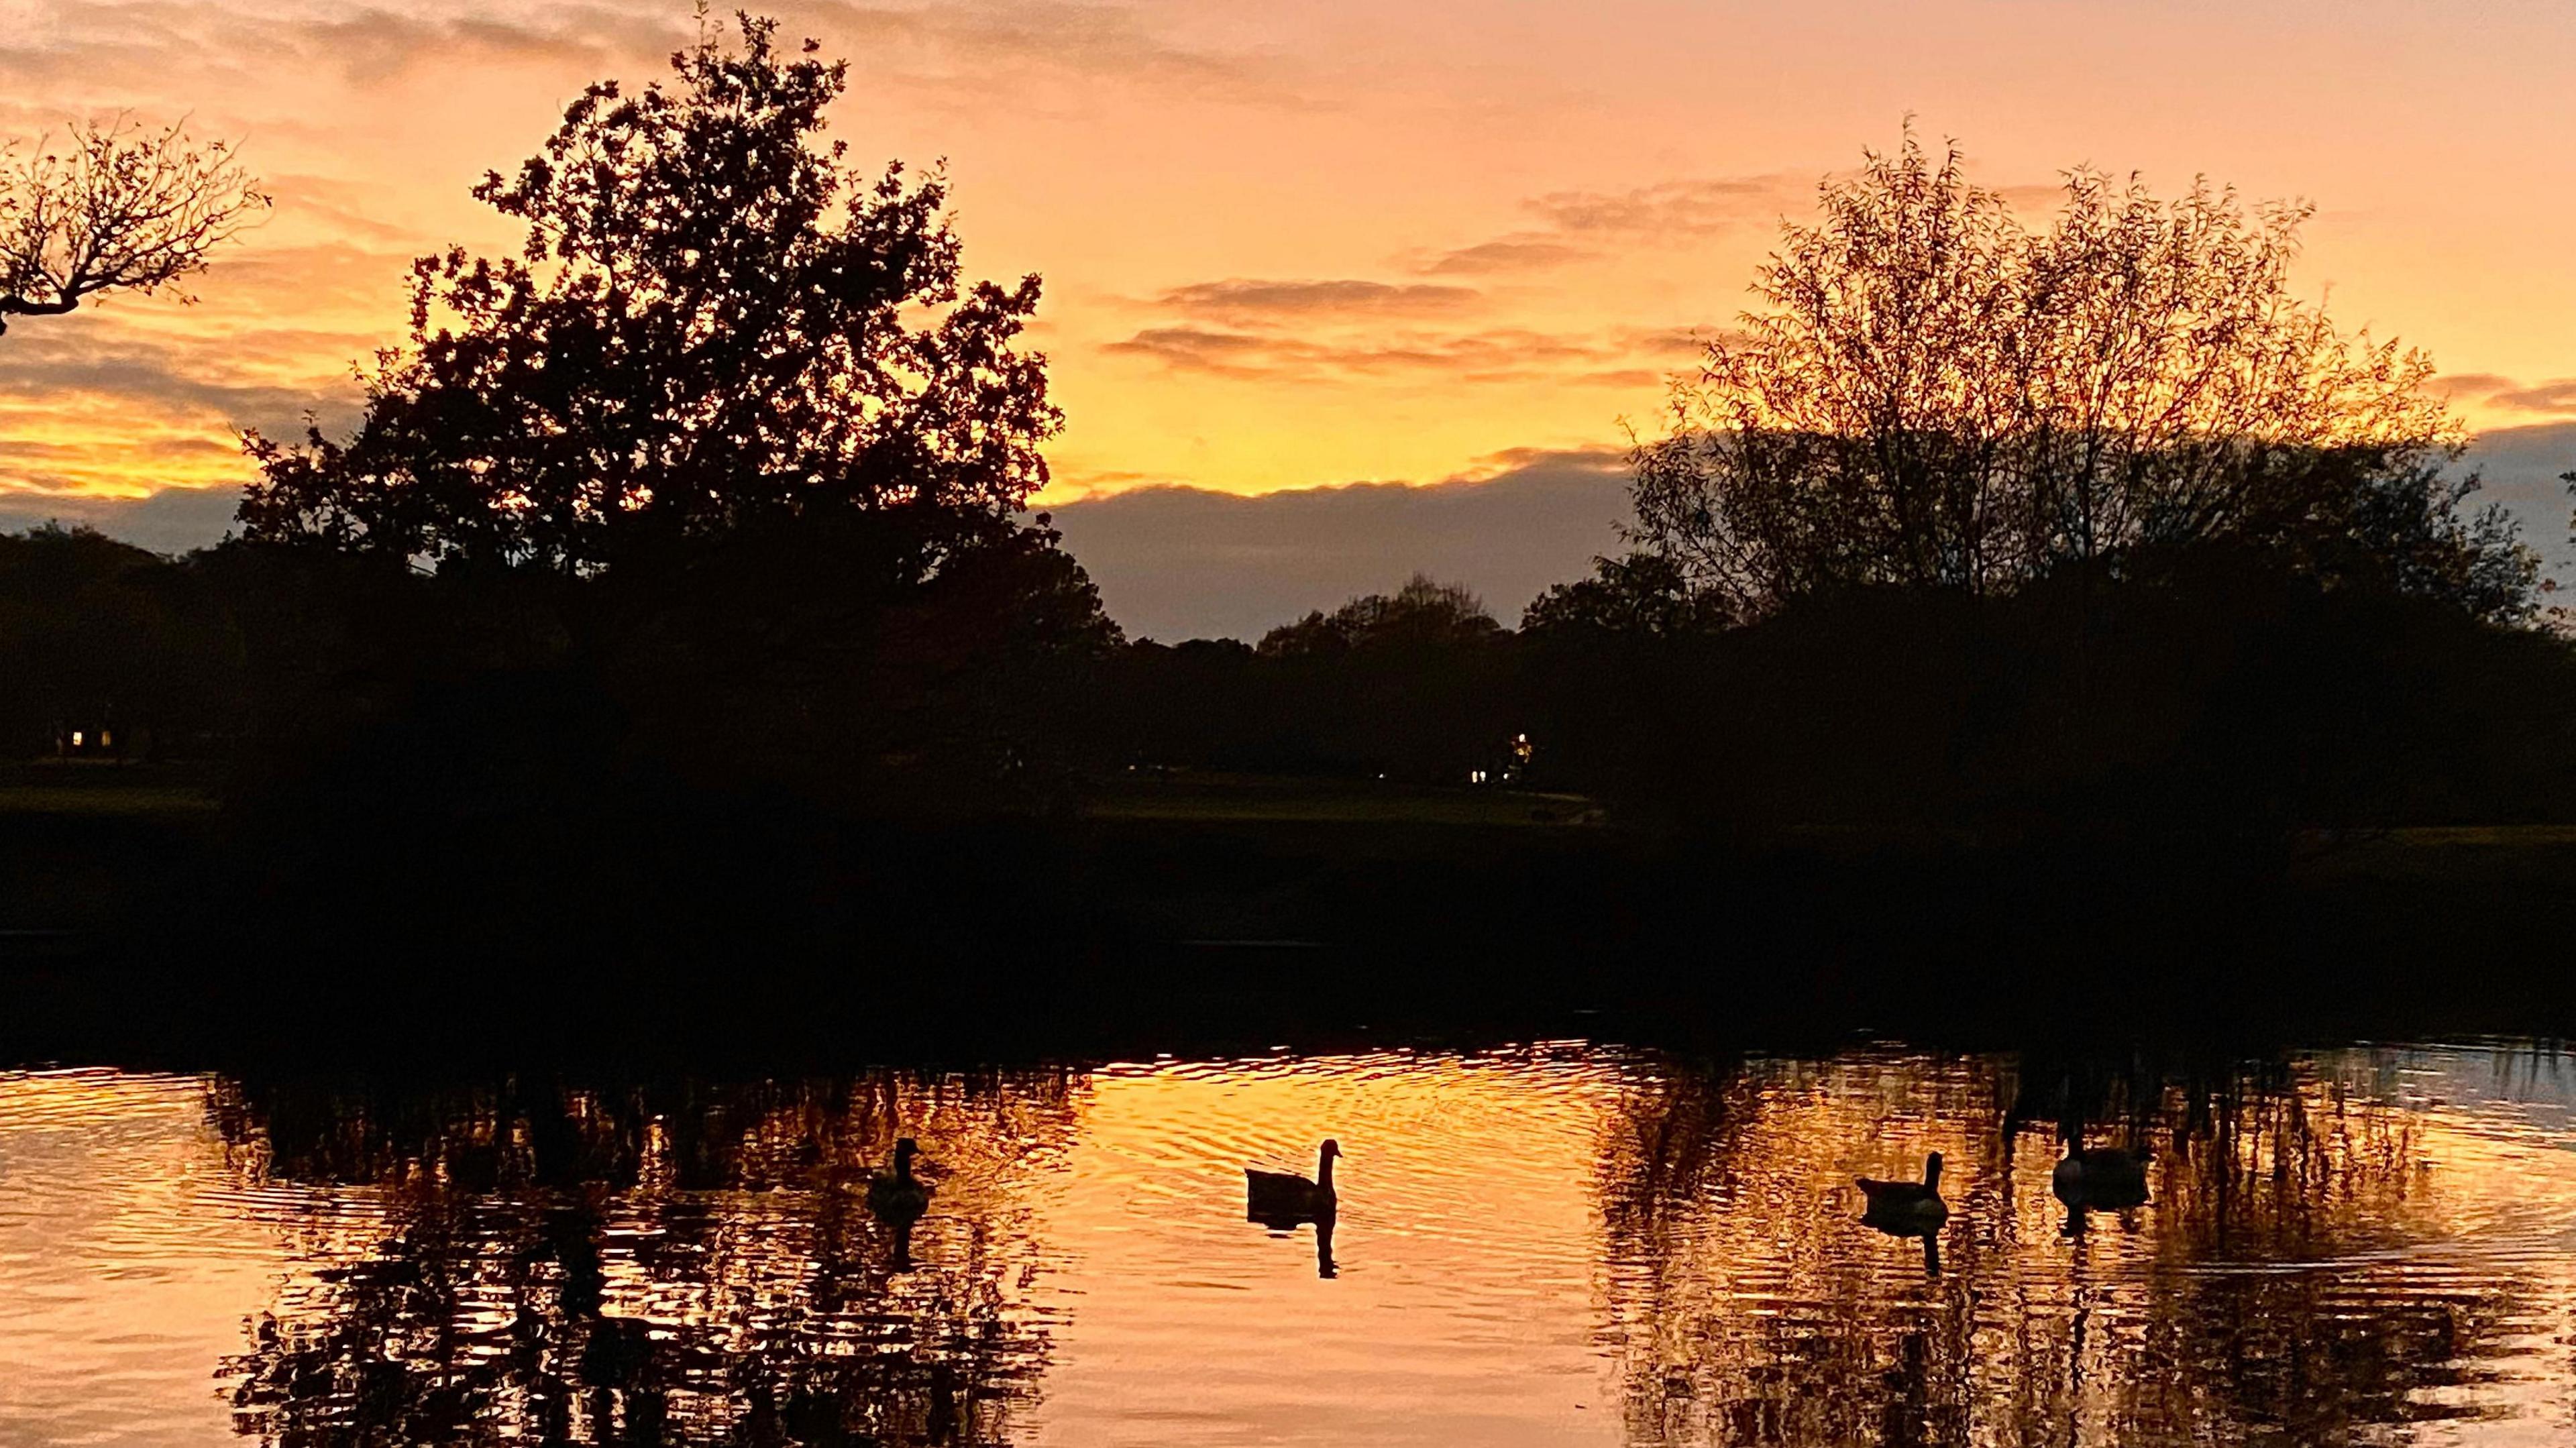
{"points": [[2210, 699], [718, 482], [1411, 686], [137, 656], [714, 328]]}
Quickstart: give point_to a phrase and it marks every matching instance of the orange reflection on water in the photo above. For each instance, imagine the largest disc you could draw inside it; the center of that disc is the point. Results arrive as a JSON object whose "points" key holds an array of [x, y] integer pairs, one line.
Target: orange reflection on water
{"points": [[1562, 1244]]}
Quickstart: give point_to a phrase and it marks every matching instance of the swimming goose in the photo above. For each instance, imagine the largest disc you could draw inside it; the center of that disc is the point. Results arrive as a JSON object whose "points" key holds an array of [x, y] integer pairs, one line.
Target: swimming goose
{"points": [[2101, 1176], [897, 1196], [1279, 1195], [1906, 1208]]}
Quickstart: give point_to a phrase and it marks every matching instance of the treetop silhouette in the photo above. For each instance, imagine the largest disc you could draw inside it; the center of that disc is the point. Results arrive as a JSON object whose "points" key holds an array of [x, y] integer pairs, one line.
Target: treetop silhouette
{"points": [[1934, 393], [714, 325]]}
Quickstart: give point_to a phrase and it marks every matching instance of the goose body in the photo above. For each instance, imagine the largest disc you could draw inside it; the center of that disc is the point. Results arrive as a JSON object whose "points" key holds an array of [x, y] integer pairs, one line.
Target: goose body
{"points": [[898, 1196], [1906, 1208], [2103, 1176], [1284, 1199]]}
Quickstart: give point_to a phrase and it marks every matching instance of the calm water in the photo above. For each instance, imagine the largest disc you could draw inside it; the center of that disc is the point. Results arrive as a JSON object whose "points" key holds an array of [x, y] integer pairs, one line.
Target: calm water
{"points": [[1557, 1245]]}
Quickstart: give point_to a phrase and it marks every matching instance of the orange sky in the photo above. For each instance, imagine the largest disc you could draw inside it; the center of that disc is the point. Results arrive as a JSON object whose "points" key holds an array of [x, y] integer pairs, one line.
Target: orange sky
{"points": [[1288, 246]]}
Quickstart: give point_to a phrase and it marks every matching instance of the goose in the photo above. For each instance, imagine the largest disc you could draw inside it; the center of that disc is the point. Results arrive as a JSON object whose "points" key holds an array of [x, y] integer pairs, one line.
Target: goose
{"points": [[2101, 1176], [1906, 1208], [897, 1196], [1283, 1197]]}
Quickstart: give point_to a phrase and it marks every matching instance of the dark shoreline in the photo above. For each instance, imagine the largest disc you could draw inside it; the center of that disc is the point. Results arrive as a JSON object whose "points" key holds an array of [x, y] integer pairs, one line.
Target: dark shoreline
{"points": [[761, 935]]}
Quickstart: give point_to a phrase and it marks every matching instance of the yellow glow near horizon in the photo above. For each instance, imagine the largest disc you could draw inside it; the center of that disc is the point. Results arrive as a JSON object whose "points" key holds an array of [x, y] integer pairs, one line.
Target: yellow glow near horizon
{"points": [[1296, 246]]}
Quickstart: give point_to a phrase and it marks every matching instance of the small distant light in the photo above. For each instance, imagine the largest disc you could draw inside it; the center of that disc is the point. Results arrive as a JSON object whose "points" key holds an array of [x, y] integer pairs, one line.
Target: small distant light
{"points": [[76, 739], [105, 741]]}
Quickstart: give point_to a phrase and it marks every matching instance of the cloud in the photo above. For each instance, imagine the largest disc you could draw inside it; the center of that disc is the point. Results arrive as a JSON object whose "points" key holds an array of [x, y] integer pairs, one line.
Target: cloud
{"points": [[1246, 299], [374, 45], [1177, 562], [110, 47], [1615, 357], [1502, 354], [947, 48], [1506, 254], [984, 44], [39, 367], [2556, 397], [1576, 226], [1678, 209], [173, 520], [88, 405]]}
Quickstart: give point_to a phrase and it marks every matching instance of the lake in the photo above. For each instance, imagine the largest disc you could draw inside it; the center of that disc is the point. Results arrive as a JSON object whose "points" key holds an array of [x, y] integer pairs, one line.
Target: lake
{"points": [[1558, 1243]]}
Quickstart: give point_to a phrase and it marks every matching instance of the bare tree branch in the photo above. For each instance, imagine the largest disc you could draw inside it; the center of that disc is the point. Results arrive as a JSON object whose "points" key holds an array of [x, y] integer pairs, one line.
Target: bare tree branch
{"points": [[114, 207]]}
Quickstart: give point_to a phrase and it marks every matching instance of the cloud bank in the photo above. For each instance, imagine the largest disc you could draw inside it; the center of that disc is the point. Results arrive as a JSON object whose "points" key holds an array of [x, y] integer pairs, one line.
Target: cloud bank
{"points": [[1176, 563]]}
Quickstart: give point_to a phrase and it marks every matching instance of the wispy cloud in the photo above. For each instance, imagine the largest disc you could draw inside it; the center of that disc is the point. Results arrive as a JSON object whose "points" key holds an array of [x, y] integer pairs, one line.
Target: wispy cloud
{"points": [[1497, 354], [986, 43], [1242, 299], [2555, 397], [1671, 208], [89, 405], [1506, 254], [953, 46], [1573, 226]]}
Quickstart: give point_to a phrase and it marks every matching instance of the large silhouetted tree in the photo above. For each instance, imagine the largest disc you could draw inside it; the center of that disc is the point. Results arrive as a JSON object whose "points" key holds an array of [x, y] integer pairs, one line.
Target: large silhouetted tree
{"points": [[715, 325], [1934, 393], [113, 207]]}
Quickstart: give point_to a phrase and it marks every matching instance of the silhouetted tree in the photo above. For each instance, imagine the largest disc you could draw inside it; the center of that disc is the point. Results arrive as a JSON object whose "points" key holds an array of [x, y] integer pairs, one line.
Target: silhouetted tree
{"points": [[1640, 595], [714, 327], [1934, 394], [722, 474], [113, 207], [1422, 613], [97, 635]]}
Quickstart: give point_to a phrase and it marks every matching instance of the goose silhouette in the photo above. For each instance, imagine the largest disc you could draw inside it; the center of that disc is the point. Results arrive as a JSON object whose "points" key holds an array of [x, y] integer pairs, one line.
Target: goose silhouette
{"points": [[1906, 1209], [1278, 1198], [1909, 1209], [2101, 1178], [896, 1195], [898, 1198]]}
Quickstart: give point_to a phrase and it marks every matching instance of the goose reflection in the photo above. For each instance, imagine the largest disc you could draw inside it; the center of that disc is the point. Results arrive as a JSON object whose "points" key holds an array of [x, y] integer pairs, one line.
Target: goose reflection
{"points": [[1284, 1201]]}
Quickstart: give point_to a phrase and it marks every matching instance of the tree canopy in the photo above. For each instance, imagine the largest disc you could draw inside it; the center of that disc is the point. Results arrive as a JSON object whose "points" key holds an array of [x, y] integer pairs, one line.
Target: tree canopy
{"points": [[113, 207], [1934, 393], [714, 325], [1424, 613]]}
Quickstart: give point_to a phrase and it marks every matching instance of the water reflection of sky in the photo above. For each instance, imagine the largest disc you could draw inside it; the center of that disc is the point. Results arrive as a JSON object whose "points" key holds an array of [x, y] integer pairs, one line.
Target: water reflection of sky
{"points": [[1554, 1245]]}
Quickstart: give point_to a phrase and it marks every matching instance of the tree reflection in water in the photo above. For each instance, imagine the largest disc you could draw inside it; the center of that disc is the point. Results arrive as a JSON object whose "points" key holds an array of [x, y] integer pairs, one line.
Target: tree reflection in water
{"points": [[2259, 1297], [685, 1265], [2335, 1248]]}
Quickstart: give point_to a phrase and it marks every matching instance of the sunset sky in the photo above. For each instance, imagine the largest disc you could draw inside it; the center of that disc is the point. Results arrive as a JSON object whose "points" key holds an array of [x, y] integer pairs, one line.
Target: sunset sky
{"points": [[1296, 245]]}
